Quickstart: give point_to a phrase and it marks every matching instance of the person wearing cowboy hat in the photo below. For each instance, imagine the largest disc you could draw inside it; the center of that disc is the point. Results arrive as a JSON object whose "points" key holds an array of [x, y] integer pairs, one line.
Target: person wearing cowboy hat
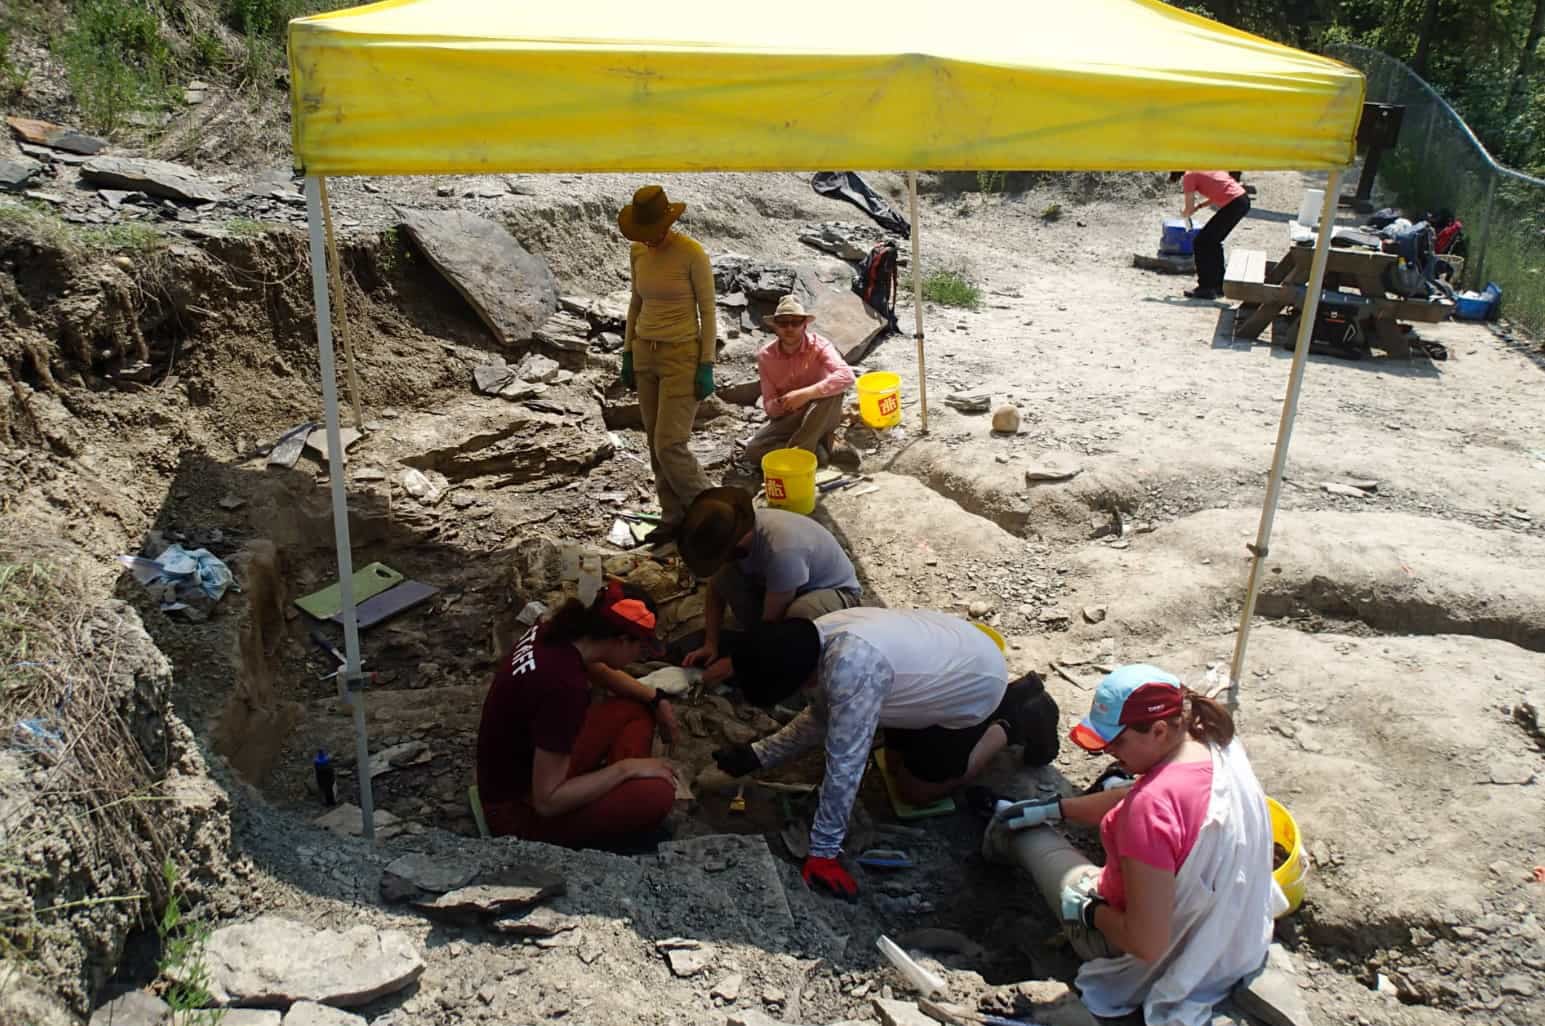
{"points": [[766, 565], [553, 767], [668, 346], [803, 381]]}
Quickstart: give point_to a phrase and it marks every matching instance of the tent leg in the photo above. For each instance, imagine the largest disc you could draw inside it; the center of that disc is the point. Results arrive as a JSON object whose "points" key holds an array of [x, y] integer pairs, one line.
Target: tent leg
{"points": [[917, 301], [335, 269], [352, 682], [1306, 317]]}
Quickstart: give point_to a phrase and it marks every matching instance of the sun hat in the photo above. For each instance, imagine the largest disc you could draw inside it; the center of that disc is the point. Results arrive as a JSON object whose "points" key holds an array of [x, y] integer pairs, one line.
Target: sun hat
{"points": [[788, 306], [717, 519], [772, 663], [650, 213], [1135, 693]]}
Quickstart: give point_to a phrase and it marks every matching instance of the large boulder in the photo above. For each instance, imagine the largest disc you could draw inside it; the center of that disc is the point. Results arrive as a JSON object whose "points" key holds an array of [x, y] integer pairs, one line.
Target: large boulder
{"points": [[512, 290]]}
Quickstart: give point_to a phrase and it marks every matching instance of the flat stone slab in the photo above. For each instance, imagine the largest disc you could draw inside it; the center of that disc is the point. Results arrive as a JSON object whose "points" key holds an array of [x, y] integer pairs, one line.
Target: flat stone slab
{"points": [[309, 1013], [255, 1016], [408, 753], [153, 177], [686, 957], [348, 820], [848, 322], [539, 922], [512, 290], [276, 961], [134, 1008], [17, 172], [407, 875], [58, 137], [901, 1013], [514, 890]]}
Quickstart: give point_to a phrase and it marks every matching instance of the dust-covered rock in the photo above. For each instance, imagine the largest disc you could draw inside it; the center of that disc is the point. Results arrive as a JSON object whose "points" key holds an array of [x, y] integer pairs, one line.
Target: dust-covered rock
{"points": [[152, 177], [276, 961]]}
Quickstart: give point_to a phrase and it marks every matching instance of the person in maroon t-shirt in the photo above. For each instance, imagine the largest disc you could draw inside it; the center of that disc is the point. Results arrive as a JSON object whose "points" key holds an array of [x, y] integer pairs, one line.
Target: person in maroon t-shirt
{"points": [[551, 766]]}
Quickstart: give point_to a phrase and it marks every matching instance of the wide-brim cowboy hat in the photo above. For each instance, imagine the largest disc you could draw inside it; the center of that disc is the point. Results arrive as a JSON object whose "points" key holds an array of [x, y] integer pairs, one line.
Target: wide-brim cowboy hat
{"points": [[789, 306], [715, 522], [650, 213]]}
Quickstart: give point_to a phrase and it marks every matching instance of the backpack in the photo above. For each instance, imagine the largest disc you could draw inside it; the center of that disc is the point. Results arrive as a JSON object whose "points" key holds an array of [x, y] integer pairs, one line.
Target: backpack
{"points": [[876, 281], [1415, 245]]}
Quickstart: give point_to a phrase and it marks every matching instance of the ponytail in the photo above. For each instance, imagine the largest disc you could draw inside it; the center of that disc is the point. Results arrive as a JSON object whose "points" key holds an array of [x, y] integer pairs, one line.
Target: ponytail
{"points": [[1207, 720]]}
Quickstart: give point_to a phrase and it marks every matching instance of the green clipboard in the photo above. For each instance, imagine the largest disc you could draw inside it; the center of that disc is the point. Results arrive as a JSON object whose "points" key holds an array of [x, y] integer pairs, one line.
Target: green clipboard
{"points": [[942, 807], [368, 581]]}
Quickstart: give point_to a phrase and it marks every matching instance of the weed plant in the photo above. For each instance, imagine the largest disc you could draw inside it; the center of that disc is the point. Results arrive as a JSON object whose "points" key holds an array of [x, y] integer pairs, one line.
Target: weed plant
{"points": [[952, 288]]}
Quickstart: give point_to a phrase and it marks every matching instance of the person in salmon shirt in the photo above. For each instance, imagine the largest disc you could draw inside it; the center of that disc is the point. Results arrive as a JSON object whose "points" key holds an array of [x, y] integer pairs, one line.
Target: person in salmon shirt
{"points": [[1182, 909], [1219, 190]]}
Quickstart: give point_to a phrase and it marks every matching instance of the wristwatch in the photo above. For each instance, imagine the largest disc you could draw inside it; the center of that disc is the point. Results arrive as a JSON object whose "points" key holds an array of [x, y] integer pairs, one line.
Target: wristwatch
{"points": [[1087, 914]]}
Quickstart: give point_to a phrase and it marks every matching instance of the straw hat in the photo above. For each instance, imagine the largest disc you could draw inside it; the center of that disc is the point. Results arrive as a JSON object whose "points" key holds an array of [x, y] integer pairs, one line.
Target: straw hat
{"points": [[788, 306], [650, 213]]}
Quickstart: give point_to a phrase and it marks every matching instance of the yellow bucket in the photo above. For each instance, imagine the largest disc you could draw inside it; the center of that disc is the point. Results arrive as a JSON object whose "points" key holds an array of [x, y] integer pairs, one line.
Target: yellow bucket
{"points": [[789, 477], [997, 639], [879, 399], [1293, 875]]}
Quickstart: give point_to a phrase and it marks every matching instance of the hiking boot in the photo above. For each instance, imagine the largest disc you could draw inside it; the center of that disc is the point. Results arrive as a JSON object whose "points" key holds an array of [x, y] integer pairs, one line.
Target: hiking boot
{"points": [[1201, 293], [1030, 718]]}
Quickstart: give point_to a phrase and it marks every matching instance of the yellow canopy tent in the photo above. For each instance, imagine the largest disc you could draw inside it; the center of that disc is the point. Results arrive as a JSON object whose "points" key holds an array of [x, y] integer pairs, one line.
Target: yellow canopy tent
{"points": [[475, 86]]}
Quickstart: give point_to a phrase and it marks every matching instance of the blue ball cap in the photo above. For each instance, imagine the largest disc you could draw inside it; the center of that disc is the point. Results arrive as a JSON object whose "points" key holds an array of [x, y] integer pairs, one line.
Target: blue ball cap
{"points": [[1135, 693]]}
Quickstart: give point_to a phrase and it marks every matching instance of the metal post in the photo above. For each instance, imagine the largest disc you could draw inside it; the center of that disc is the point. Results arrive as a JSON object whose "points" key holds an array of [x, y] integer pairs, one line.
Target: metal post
{"points": [[336, 271], [352, 680], [917, 300], [1306, 316], [1478, 277]]}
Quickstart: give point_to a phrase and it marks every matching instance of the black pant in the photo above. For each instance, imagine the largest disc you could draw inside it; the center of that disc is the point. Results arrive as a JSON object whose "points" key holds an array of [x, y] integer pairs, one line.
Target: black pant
{"points": [[1208, 245]]}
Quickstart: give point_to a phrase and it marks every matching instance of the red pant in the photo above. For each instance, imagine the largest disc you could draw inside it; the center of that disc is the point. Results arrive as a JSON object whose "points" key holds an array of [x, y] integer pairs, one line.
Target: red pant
{"points": [[613, 730]]}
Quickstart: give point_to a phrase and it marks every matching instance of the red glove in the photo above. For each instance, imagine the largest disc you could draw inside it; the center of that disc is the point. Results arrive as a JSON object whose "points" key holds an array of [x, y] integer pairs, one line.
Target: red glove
{"points": [[829, 873]]}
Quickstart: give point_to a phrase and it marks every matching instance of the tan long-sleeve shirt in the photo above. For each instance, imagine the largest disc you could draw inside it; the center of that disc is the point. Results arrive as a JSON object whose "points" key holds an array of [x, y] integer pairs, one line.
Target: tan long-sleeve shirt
{"points": [[673, 295]]}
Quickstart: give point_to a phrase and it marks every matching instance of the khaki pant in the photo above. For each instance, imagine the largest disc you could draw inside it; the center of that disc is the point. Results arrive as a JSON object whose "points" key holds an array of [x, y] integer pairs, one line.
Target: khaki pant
{"points": [[745, 596], [664, 373], [799, 430]]}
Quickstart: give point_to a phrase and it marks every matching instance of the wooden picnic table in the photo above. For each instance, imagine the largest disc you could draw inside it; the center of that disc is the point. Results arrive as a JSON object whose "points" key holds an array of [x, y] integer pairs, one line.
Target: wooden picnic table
{"points": [[1264, 291]]}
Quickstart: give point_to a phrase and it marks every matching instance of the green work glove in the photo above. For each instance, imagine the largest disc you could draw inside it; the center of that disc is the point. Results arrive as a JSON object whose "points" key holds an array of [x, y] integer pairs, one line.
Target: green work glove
{"points": [[626, 377], [702, 384]]}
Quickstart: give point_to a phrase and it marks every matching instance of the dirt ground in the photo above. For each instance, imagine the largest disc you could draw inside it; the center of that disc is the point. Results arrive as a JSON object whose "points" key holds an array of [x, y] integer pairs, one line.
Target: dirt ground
{"points": [[1389, 675]]}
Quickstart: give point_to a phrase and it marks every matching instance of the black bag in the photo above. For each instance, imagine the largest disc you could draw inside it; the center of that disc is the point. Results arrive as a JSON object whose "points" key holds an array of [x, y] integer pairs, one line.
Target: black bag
{"points": [[876, 281]]}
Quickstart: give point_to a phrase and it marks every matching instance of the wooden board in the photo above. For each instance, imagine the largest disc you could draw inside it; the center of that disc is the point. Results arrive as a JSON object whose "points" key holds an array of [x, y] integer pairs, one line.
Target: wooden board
{"points": [[1245, 265]]}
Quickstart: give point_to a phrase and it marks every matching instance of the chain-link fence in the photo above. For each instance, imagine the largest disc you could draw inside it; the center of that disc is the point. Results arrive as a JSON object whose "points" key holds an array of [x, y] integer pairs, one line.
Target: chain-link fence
{"points": [[1438, 163]]}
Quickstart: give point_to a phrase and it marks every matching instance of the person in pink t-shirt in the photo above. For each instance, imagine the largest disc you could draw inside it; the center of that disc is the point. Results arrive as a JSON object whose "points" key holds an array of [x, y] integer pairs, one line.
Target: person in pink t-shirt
{"points": [[803, 381], [1219, 190], [1159, 935]]}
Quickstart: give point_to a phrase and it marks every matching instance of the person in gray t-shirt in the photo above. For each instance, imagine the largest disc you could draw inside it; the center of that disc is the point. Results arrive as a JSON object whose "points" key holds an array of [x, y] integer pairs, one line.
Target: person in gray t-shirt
{"points": [[766, 565]]}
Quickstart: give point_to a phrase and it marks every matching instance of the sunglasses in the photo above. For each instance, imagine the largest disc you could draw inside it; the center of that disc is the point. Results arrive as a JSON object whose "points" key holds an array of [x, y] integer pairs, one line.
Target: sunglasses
{"points": [[789, 322]]}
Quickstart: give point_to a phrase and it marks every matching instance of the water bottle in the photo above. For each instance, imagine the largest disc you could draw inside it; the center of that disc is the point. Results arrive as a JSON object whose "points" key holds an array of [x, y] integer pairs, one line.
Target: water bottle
{"points": [[323, 765]]}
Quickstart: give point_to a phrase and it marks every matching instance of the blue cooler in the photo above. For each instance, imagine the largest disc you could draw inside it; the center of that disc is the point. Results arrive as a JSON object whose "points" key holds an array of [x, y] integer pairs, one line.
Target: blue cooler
{"points": [[1177, 238], [1478, 306]]}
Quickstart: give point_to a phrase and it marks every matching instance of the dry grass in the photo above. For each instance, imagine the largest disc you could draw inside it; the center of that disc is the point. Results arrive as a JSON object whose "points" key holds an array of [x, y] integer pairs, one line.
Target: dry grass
{"points": [[89, 778]]}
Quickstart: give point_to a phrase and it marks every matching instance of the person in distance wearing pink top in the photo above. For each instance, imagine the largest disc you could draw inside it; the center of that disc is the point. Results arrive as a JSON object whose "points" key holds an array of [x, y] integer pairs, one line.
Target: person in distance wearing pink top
{"points": [[1219, 190]]}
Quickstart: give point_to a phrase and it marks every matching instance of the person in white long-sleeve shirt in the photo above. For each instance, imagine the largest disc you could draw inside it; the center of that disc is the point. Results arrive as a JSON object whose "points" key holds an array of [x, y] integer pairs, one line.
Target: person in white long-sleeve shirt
{"points": [[937, 684]]}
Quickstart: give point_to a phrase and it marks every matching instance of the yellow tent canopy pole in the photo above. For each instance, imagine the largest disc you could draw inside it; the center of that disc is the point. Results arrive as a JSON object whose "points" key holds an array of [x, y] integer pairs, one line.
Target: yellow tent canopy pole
{"points": [[342, 299], [917, 300], [1306, 317]]}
